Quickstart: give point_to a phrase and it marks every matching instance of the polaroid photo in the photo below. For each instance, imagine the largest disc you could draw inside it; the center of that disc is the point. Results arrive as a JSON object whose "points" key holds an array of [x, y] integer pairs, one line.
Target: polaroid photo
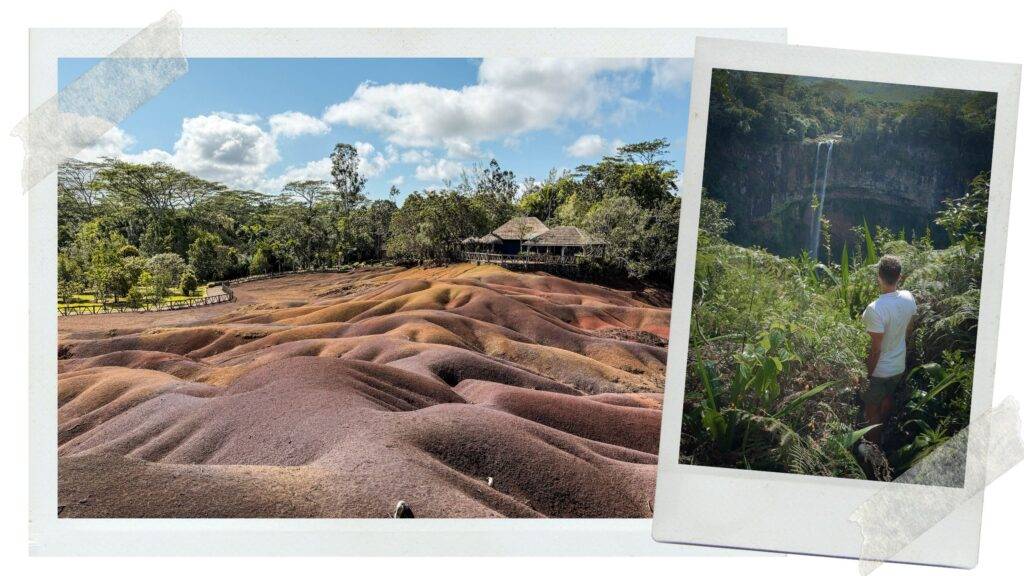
{"points": [[837, 295], [354, 291]]}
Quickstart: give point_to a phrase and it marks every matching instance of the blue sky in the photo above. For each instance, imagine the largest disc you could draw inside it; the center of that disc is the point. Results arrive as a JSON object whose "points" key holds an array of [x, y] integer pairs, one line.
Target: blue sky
{"points": [[259, 123]]}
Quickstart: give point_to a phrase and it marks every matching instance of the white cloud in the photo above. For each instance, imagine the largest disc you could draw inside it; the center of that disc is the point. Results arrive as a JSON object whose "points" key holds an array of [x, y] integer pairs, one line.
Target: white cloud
{"points": [[293, 124], [586, 146], [222, 148], [671, 74], [239, 117], [232, 149], [511, 97], [460, 148], [415, 156], [371, 162], [441, 170], [312, 170], [397, 180], [112, 143], [590, 145]]}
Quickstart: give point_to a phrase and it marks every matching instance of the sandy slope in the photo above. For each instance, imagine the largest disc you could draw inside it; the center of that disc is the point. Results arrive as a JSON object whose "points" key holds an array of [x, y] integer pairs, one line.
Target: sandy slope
{"points": [[341, 394]]}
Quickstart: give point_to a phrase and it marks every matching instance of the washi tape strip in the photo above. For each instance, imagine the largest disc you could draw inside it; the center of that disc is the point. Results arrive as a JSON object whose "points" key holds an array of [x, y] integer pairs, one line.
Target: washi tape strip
{"points": [[101, 98], [907, 507]]}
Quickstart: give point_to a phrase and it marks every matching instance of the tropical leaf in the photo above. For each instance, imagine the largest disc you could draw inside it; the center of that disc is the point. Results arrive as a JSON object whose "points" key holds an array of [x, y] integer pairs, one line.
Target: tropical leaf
{"points": [[850, 438], [871, 253], [803, 397]]}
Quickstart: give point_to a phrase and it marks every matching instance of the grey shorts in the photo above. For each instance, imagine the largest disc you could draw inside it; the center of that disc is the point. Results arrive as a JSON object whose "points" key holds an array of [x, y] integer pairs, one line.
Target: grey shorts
{"points": [[880, 387]]}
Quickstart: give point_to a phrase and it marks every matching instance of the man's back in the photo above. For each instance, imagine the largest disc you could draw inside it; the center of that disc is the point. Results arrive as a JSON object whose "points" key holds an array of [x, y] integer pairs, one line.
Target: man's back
{"points": [[890, 315]]}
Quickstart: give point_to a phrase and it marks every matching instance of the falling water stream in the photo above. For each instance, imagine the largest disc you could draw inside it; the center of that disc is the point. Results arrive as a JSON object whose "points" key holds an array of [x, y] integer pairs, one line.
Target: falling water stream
{"points": [[815, 241]]}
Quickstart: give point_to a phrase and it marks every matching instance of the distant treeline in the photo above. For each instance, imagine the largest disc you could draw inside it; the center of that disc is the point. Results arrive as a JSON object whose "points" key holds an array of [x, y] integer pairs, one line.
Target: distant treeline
{"points": [[783, 107], [129, 229]]}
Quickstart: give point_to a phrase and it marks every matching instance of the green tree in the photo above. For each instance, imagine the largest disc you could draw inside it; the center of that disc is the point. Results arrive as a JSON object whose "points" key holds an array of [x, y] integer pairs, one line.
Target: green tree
{"points": [[70, 279], [204, 258], [542, 201], [348, 183], [493, 192], [189, 283], [431, 225], [164, 272]]}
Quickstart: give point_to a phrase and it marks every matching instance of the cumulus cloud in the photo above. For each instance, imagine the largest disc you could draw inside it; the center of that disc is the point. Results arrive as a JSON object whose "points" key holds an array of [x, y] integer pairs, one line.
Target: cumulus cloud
{"points": [[511, 97], [371, 162], [221, 146], [112, 143], [460, 148], [312, 170], [416, 156], [397, 180], [443, 169], [224, 148], [671, 74], [293, 124], [586, 146], [590, 145]]}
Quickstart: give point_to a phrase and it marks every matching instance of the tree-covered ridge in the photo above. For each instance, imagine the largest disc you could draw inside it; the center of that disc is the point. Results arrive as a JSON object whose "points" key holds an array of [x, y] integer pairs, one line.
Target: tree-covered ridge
{"points": [[138, 231], [782, 107], [778, 349]]}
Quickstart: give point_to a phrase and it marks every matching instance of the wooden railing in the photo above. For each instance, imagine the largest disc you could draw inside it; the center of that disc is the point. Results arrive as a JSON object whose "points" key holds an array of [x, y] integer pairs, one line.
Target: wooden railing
{"points": [[225, 296], [522, 258], [111, 307], [269, 275]]}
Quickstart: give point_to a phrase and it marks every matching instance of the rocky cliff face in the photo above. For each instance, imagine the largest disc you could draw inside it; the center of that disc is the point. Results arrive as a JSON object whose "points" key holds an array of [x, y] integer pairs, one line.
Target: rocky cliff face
{"points": [[768, 188]]}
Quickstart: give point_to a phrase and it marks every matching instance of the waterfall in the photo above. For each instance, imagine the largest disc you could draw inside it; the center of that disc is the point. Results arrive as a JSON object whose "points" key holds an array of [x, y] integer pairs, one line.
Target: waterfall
{"points": [[814, 192], [814, 246]]}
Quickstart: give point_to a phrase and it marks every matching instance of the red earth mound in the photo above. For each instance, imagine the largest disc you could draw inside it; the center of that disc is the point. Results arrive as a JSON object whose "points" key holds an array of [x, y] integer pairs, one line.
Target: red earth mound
{"points": [[466, 391]]}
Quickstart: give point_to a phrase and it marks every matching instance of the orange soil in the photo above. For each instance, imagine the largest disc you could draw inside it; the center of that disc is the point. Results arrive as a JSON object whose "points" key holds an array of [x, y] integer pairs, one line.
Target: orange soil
{"points": [[337, 395]]}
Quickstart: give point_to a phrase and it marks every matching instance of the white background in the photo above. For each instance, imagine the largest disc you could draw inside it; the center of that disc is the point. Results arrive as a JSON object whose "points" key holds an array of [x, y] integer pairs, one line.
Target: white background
{"points": [[975, 29]]}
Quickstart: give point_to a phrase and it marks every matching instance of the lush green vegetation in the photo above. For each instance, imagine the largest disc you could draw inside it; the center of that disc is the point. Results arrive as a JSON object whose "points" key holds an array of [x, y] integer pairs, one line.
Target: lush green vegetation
{"points": [[144, 233], [778, 350], [780, 107]]}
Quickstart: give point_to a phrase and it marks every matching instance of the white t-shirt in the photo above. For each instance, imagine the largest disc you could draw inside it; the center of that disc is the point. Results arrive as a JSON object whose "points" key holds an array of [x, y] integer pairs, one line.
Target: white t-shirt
{"points": [[890, 314]]}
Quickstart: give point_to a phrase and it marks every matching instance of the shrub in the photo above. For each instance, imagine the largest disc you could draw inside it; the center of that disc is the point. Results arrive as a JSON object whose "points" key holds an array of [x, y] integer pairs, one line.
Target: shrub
{"points": [[189, 282], [128, 250]]}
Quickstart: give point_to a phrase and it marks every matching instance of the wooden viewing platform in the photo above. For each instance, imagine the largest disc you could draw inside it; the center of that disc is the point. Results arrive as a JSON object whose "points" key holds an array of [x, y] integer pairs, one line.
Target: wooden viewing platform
{"points": [[520, 259]]}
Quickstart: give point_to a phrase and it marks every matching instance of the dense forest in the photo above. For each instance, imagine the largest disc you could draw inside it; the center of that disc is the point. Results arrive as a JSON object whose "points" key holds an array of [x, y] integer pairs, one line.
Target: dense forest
{"points": [[777, 345], [140, 232]]}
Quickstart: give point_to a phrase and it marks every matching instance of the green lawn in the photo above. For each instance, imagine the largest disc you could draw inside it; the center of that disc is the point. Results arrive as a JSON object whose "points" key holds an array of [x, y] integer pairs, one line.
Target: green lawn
{"points": [[86, 300]]}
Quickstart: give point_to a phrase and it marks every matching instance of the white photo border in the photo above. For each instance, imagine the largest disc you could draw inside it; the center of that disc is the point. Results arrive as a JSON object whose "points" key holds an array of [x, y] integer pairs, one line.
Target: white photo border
{"points": [[780, 512], [50, 535]]}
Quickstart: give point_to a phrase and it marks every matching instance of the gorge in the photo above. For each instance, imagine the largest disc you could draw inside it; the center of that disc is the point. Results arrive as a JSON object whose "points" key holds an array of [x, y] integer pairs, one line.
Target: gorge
{"points": [[784, 153]]}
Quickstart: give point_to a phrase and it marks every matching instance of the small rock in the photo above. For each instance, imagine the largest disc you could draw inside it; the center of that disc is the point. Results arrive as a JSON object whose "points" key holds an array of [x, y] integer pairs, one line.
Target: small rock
{"points": [[402, 510]]}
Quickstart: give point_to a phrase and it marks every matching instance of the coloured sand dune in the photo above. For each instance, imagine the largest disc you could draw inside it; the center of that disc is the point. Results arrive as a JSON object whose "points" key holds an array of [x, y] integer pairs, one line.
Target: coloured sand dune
{"points": [[465, 391]]}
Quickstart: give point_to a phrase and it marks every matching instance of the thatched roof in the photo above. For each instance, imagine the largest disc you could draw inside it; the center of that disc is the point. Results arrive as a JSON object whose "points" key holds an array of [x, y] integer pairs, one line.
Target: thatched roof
{"points": [[488, 239], [471, 240], [520, 228], [565, 236]]}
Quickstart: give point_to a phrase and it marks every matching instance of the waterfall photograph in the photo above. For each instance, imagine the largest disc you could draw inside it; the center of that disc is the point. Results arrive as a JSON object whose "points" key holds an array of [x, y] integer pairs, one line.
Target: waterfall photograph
{"points": [[838, 274]]}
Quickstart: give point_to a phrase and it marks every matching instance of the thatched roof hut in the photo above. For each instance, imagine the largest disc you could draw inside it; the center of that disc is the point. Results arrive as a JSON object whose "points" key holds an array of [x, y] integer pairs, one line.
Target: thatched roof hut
{"points": [[565, 236], [520, 228]]}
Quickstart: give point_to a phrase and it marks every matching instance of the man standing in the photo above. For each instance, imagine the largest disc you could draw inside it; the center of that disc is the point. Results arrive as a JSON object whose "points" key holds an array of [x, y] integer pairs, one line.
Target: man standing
{"points": [[888, 320]]}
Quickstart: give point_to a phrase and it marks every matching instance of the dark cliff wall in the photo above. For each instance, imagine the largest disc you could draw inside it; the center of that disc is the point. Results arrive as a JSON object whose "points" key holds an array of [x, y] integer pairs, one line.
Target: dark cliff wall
{"points": [[899, 185]]}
